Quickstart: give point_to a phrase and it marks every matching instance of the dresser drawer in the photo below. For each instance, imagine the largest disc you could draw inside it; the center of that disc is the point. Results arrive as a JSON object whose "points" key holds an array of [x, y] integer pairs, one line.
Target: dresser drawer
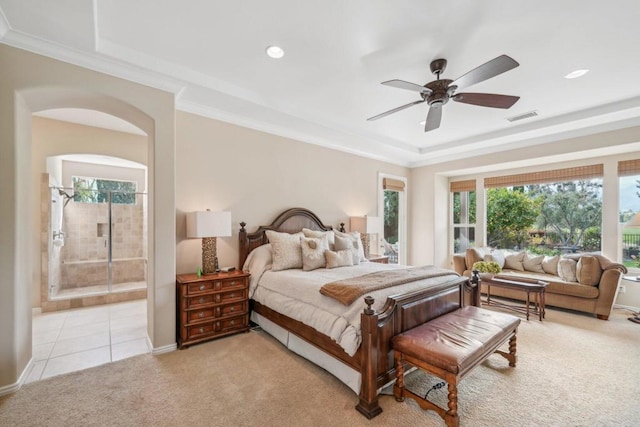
{"points": [[215, 285], [201, 330], [200, 315], [232, 323], [209, 313], [197, 301]]}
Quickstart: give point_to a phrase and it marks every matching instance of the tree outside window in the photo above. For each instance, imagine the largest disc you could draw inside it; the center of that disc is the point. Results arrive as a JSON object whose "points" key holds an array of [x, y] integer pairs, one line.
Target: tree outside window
{"points": [[95, 190]]}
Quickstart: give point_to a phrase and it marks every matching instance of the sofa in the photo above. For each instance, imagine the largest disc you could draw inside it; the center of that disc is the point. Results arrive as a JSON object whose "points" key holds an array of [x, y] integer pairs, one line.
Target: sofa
{"points": [[585, 282]]}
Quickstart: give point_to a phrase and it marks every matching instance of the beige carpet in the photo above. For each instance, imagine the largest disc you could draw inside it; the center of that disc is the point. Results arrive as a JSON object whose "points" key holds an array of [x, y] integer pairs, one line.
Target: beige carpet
{"points": [[573, 370]]}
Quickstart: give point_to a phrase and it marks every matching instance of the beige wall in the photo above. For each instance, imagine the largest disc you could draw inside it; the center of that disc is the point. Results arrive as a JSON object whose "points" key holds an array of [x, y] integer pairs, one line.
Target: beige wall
{"points": [[24, 89], [256, 175]]}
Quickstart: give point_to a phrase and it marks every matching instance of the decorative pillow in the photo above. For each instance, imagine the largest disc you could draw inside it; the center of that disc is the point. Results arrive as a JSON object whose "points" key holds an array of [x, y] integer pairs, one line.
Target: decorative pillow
{"points": [[550, 264], [567, 269], [473, 255], [495, 256], [313, 252], [356, 235], [287, 252], [258, 260], [317, 234], [350, 244], [533, 263], [588, 271], [514, 261], [342, 258]]}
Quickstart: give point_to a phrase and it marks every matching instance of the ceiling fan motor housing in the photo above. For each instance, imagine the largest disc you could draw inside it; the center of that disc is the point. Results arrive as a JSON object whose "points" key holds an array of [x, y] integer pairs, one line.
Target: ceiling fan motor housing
{"points": [[439, 92]]}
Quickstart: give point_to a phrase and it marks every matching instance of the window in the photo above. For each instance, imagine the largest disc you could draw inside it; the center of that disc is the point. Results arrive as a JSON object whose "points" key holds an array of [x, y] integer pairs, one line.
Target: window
{"points": [[463, 202], [393, 205], [629, 190], [95, 190], [547, 212]]}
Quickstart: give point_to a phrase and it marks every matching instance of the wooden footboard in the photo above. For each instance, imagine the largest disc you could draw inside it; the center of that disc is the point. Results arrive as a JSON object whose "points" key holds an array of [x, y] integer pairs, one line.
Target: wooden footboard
{"points": [[401, 313]]}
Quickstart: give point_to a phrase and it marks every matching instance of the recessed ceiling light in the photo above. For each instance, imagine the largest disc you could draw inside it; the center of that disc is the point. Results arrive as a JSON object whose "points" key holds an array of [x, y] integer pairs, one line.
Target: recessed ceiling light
{"points": [[275, 52], [575, 74]]}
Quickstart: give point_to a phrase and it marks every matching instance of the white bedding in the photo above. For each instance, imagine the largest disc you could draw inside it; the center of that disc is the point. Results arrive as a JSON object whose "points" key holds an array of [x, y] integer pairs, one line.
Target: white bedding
{"points": [[296, 294]]}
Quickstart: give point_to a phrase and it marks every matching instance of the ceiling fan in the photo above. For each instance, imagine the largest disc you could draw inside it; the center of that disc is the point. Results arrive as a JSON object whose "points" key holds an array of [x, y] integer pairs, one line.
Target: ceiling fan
{"points": [[439, 92]]}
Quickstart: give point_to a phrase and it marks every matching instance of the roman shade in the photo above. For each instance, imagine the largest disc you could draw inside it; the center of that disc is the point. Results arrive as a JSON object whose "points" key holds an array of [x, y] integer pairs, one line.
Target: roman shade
{"points": [[461, 186], [392, 184], [558, 175], [629, 167]]}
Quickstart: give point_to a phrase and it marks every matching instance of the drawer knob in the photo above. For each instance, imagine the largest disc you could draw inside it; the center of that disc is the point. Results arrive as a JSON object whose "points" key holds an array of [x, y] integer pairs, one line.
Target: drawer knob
{"points": [[233, 282], [201, 330], [233, 322], [201, 300], [233, 309], [201, 314], [233, 295], [202, 287]]}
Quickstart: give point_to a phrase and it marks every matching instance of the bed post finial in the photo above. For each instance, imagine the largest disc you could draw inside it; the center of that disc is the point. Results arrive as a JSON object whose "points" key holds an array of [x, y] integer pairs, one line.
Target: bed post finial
{"points": [[341, 227], [369, 301], [242, 224]]}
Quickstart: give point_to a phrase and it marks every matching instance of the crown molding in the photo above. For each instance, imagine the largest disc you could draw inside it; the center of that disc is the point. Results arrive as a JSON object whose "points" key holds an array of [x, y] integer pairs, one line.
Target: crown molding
{"points": [[4, 24]]}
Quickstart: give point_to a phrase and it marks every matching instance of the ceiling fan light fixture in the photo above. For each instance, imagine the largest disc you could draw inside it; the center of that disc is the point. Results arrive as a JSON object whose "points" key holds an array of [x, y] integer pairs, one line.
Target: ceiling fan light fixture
{"points": [[275, 52], [576, 73]]}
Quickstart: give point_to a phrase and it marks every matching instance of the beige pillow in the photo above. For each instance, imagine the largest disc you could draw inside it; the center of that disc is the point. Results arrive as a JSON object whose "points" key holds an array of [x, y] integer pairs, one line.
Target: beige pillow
{"points": [[287, 252], [473, 255], [495, 256], [567, 269], [514, 261], [313, 252], [317, 234], [342, 258], [550, 264], [533, 263], [350, 244], [588, 271], [356, 236]]}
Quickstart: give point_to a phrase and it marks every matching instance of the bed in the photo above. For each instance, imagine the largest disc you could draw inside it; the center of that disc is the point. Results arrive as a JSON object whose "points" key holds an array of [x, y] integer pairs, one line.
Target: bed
{"points": [[354, 345]]}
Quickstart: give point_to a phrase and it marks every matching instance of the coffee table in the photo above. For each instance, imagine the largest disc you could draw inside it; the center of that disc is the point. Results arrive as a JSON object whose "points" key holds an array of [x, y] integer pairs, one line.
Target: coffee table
{"points": [[536, 287]]}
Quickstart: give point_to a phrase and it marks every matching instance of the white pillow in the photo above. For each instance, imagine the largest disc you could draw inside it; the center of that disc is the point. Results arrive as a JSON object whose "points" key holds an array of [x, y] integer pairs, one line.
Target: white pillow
{"points": [[259, 259], [495, 256], [287, 252], [567, 269], [355, 234], [349, 244], [550, 264], [342, 258], [316, 234], [533, 263], [313, 252], [514, 261]]}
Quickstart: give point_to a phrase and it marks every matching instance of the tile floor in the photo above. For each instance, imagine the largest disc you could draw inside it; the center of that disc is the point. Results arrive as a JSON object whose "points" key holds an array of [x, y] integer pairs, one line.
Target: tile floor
{"points": [[72, 340]]}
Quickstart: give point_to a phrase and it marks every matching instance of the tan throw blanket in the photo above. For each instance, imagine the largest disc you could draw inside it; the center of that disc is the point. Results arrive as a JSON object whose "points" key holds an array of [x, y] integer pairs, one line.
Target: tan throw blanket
{"points": [[347, 291]]}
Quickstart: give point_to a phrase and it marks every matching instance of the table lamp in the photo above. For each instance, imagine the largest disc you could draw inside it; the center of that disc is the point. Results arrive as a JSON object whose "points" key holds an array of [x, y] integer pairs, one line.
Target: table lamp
{"points": [[208, 226]]}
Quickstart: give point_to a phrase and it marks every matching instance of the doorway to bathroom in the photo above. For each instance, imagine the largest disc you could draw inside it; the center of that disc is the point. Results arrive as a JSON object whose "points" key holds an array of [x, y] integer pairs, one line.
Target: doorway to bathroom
{"points": [[97, 228]]}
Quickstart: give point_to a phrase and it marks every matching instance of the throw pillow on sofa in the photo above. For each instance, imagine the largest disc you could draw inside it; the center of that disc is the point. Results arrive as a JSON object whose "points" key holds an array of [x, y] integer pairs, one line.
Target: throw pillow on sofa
{"points": [[567, 270], [496, 256], [514, 261], [473, 255], [533, 263], [550, 264], [588, 271]]}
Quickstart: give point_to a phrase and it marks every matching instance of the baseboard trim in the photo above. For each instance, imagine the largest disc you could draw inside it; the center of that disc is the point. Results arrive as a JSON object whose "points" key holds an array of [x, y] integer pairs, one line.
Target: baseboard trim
{"points": [[12, 388], [160, 350], [626, 307]]}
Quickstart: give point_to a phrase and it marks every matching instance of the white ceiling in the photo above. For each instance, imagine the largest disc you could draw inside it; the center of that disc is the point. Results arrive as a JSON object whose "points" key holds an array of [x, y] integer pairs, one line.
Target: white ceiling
{"points": [[211, 54]]}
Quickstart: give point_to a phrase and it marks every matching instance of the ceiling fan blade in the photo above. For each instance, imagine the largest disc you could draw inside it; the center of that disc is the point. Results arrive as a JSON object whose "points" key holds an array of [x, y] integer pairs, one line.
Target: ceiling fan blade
{"points": [[395, 110], [433, 118], [486, 99], [486, 71], [401, 84]]}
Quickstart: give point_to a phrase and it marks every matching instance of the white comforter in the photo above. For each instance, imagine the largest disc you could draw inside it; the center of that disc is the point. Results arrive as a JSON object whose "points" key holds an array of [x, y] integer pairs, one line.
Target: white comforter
{"points": [[296, 293]]}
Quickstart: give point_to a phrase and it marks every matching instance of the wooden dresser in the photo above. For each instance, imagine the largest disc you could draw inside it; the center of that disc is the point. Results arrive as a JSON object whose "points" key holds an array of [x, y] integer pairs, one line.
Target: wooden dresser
{"points": [[211, 306]]}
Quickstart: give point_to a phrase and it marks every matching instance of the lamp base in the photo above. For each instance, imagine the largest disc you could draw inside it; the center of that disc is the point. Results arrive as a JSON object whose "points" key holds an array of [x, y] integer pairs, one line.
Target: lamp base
{"points": [[209, 255]]}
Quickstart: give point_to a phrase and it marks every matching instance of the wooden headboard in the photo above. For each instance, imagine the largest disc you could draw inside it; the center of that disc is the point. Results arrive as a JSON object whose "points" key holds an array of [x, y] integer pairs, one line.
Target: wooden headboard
{"points": [[290, 221]]}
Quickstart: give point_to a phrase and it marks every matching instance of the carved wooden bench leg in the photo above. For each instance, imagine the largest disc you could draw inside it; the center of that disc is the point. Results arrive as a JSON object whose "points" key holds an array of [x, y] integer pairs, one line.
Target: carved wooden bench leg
{"points": [[451, 418], [398, 387], [511, 356]]}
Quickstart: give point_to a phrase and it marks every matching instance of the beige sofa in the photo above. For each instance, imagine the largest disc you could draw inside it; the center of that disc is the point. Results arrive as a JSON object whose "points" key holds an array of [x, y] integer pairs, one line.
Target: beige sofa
{"points": [[582, 282]]}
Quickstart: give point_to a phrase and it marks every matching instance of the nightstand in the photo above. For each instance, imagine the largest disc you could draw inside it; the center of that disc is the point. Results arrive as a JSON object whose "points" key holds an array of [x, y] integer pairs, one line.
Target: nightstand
{"points": [[380, 259], [211, 306]]}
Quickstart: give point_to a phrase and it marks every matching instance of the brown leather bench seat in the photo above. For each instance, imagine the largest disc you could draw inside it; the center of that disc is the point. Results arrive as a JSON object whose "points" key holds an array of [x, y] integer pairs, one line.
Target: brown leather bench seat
{"points": [[449, 346]]}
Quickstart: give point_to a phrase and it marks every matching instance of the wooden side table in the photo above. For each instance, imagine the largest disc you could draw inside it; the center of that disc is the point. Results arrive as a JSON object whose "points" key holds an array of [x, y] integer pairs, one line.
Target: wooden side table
{"points": [[211, 306]]}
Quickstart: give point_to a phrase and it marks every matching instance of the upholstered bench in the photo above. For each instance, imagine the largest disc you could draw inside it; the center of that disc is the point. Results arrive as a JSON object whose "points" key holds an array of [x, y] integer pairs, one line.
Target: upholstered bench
{"points": [[449, 347]]}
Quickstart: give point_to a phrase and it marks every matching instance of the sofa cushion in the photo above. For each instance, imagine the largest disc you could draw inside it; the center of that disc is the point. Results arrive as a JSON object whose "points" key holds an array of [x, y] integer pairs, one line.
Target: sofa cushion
{"points": [[556, 285], [473, 255], [550, 264], [495, 256], [533, 263], [514, 261], [567, 270], [588, 271]]}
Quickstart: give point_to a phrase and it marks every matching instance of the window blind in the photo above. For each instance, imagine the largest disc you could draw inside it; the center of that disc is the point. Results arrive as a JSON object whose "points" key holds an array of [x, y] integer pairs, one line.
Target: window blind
{"points": [[461, 186], [629, 167], [558, 175], [392, 184]]}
